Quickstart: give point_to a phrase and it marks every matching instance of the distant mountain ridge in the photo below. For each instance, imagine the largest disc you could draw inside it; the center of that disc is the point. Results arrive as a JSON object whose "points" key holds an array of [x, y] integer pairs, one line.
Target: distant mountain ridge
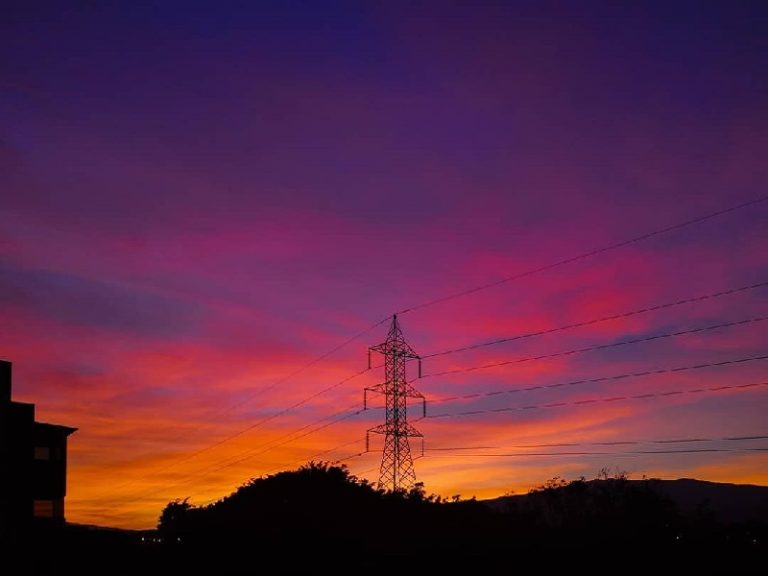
{"points": [[719, 501]]}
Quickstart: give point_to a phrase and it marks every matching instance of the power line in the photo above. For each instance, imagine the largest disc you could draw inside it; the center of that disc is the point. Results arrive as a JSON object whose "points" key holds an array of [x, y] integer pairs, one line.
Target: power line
{"points": [[325, 390], [600, 379], [341, 418], [572, 326], [292, 375], [357, 374], [598, 347], [344, 445], [584, 255], [557, 445], [308, 459], [271, 417], [243, 456], [612, 443], [231, 437], [368, 471], [262, 421], [334, 419], [207, 470], [344, 414], [601, 399], [435, 301], [266, 419], [351, 456], [298, 404], [597, 320], [309, 364], [612, 453]]}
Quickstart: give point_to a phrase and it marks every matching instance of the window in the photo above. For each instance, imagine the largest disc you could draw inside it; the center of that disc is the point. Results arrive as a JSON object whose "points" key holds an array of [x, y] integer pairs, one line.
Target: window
{"points": [[43, 508], [42, 453]]}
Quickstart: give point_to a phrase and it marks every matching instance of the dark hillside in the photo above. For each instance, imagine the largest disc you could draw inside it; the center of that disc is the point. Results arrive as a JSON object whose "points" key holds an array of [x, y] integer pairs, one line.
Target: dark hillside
{"points": [[293, 518], [319, 518], [727, 503]]}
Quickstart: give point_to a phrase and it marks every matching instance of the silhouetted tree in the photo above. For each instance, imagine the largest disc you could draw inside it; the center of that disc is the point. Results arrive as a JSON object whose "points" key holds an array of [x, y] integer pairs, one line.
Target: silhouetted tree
{"points": [[174, 519]]}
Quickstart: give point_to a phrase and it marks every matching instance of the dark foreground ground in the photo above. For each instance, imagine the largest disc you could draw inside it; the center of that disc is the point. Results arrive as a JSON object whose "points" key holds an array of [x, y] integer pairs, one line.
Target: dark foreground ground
{"points": [[320, 520], [86, 551]]}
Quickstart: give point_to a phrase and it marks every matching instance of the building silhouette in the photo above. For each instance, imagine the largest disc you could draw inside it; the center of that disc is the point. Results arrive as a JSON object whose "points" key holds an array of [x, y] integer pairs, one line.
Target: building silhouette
{"points": [[33, 460]]}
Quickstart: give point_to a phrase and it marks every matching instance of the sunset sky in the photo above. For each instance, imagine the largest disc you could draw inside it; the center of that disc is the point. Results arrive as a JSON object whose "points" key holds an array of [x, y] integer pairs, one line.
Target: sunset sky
{"points": [[199, 199]]}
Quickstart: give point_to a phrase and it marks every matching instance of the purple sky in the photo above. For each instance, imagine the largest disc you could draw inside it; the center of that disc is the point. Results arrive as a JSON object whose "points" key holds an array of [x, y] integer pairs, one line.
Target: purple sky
{"points": [[199, 198]]}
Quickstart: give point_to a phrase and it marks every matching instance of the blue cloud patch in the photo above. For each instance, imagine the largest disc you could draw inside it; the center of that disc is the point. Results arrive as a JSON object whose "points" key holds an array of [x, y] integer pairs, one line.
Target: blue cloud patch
{"points": [[84, 302]]}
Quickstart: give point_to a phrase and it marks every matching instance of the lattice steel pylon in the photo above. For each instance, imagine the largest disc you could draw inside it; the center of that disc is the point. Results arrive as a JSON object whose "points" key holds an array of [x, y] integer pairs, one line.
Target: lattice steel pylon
{"points": [[396, 472]]}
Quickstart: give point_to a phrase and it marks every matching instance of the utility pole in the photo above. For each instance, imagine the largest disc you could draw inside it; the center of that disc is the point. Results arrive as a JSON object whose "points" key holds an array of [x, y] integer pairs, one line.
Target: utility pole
{"points": [[396, 472]]}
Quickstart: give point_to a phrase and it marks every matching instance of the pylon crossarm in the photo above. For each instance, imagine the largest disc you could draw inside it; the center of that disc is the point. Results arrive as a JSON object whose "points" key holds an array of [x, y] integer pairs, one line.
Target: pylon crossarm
{"points": [[411, 392]]}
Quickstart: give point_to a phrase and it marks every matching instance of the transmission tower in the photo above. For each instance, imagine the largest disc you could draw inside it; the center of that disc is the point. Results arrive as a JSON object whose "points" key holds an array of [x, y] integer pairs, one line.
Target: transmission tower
{"points": [[396, 470]]}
